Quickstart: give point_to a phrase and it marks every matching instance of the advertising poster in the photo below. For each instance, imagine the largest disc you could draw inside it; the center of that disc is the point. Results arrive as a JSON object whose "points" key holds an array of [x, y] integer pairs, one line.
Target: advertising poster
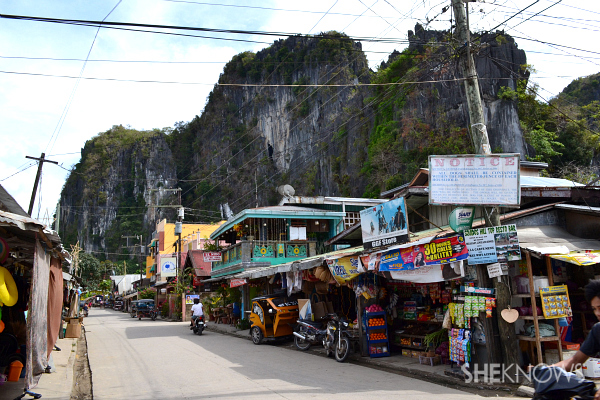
{"points": [[431, 273], [493, 244], [189, 298], [474, 179], [438, 251], [344, 269], [371, 261], [555, 302], [168, 267], [584, 257], [385, 224]]}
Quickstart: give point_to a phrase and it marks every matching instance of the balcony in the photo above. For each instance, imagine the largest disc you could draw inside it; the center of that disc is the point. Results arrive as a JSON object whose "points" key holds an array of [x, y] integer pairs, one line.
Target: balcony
{"points": [[249, 254]]}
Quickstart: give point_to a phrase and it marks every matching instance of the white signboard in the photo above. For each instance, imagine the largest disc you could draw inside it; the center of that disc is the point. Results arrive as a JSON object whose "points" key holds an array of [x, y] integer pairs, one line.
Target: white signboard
{"points": [[474, 179], [482, 247], [168, 266], [211, 256], [384, 224], [492, 244], [494, 270]]}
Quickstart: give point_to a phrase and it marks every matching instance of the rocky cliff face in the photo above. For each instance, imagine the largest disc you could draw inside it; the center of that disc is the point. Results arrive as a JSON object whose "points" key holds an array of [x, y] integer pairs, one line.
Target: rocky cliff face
{"points": [[297, 112], [107, 193]]}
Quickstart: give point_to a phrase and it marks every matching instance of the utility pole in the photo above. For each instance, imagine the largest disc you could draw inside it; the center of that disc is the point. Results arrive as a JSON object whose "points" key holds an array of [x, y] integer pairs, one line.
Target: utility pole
{"points": [[41, 162], [481, 142]]}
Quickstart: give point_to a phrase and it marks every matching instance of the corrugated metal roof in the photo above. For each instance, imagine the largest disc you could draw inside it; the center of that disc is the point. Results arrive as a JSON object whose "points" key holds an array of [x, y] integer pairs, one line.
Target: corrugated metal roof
{"points": [[535, 181], [537, 238]]}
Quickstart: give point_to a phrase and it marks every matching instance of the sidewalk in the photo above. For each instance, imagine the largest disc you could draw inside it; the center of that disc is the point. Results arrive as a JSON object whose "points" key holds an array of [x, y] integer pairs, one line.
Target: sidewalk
{"points": [[407, 366], [57, 384]]}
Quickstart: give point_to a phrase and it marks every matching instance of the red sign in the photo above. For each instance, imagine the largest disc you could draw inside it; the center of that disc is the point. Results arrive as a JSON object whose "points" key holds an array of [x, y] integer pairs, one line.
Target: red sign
{"points": [[197, 281], [237, 282], [211, 256]]}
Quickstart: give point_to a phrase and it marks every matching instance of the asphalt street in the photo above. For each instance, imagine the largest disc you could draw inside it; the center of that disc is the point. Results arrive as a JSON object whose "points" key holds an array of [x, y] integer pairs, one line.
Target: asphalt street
{"points": [[132, 359]]}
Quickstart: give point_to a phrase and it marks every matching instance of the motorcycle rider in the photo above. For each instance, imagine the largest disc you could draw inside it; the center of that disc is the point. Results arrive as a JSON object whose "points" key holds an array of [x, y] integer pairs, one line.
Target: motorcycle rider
{"points": [[591, 345], [197, 311]]}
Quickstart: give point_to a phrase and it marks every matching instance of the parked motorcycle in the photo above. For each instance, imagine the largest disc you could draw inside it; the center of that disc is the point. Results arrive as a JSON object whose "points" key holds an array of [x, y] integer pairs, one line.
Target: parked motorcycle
{"points": [[198, 325], [334, 337]]}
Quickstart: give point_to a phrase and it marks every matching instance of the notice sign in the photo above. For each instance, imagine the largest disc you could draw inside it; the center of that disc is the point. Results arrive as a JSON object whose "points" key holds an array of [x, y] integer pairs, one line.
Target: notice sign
{"points": [[385, 224], [474, 179], [494, 270], [211, 256], [494, 244]]}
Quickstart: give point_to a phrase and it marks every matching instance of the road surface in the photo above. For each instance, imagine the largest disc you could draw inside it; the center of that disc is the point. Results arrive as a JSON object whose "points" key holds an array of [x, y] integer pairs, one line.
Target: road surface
{"points": [[132, 359]]}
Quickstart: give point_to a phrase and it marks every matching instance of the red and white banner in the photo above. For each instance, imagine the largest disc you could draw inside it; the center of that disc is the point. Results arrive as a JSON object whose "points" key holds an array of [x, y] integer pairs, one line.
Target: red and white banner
{"points": [[237, 282], [211, 256]]}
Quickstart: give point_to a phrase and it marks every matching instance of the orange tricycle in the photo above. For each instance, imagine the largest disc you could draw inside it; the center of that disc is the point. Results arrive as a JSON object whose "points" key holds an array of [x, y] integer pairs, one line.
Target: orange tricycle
{"points": [[272, 317]]}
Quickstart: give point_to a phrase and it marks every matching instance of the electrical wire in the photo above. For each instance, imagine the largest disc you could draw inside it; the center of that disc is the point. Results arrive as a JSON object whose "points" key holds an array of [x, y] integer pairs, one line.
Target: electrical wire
{"points": [[18, 172]]}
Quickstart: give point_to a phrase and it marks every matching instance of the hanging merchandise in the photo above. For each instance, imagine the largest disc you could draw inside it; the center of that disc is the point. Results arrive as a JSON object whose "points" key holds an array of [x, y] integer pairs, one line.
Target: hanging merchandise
{"points": [[8, 289], [460, 345], [4, 250], [555, 302]]}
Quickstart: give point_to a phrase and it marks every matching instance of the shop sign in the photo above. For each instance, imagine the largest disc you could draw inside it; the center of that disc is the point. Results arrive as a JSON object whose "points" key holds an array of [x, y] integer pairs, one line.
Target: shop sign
{"points": [[384, 224], [494, 270], [197, 281], [477, 290], [438, 251], [237, 282], [493, 244], [189, 298], [168, 267], [211, 256], [461, 218], [474, 179], [431, 273], [344, 269], [555, 302]]}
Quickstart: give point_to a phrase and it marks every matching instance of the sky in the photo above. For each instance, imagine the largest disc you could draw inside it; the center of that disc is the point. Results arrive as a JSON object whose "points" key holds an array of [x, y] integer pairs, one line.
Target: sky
{"points": [[44, 107]]}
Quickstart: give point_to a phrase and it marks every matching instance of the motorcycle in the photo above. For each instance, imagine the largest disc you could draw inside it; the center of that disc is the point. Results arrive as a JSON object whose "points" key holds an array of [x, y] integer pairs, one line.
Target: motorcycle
{"points": [[554, 383], [334, 337], [198, 325]]}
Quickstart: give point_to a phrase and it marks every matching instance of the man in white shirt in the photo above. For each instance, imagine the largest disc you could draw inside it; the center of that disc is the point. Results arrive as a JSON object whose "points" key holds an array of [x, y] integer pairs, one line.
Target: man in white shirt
{"points": [[197, 311]]}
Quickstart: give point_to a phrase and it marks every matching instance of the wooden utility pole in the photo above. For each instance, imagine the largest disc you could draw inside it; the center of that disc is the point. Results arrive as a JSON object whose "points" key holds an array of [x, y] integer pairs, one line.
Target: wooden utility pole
{"points": [[41, 162], [481, 142]]}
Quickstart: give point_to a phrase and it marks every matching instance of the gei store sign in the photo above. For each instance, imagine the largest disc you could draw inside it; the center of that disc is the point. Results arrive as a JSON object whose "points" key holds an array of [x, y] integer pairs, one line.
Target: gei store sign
{"points": [[474, 179], [384, 224]]}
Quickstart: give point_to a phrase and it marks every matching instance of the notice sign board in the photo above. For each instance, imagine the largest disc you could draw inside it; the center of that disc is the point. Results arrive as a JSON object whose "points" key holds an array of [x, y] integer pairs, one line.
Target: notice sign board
{"points": [[168, 266], [493, 244], [211, 256], [385, 224], [474, 180]]}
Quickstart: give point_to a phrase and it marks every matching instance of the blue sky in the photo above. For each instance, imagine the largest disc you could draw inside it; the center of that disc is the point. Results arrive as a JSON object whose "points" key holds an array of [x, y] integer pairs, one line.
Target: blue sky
{"points": [[31, 106]]}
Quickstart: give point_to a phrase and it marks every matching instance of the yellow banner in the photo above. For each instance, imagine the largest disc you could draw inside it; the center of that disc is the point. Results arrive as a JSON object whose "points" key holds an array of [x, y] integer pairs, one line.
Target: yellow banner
{"points": [[344, 269], [579, 257]]}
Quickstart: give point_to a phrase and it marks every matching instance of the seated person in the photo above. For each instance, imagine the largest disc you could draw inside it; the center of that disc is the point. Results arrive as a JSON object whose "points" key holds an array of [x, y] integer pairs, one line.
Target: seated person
{"points": [[197, 311]]}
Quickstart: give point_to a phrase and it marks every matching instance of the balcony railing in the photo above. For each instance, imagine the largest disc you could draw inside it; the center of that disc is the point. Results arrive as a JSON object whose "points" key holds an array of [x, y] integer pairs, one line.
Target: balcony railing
{"points": [[273, 251]]}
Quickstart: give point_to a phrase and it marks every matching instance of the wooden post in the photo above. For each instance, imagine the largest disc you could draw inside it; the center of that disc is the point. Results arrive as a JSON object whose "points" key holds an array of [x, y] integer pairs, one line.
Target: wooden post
{"points": [[556, 326], [534, 308]]}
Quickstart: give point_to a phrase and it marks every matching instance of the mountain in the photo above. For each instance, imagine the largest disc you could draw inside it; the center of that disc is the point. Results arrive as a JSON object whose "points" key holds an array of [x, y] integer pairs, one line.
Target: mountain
{"points": [[306, 111]]}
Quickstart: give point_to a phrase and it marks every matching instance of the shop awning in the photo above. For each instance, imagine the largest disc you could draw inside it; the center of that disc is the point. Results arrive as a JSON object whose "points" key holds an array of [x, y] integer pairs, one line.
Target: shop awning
{"points": [[579, 257], [220, 278], [130, 295], [551, 239]]}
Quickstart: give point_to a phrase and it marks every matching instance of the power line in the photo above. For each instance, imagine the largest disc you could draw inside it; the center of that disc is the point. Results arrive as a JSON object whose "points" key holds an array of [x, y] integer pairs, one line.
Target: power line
{"points": [[18, 172]]}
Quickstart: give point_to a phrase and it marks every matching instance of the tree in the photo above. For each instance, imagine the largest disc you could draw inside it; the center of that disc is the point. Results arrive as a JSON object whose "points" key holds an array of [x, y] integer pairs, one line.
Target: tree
{"points": [[105, 286]]}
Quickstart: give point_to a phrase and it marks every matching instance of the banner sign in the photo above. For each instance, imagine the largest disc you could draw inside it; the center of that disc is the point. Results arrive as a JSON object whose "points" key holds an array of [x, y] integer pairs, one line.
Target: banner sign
{"points": [[438, 251], [168, 267], [371, 261], [385, 224], [189, 298], [431, 273], [461, 218], [237, 282], [555, 302], [493, 244], [585, 257], [212, 256], [344, 269], [474, 179]]}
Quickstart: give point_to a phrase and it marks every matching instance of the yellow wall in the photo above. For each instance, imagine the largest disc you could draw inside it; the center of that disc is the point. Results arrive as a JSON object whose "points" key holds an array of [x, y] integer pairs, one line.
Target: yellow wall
{"points": [[149, 264], [186, 229]]}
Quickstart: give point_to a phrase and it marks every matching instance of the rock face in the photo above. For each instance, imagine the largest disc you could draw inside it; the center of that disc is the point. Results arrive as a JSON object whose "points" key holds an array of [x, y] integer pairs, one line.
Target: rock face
{"points": [[296, 113], [107, 194]]}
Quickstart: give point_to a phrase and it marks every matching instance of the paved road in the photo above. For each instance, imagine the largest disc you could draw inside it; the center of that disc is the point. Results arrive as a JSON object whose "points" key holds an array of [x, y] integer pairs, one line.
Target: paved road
{"points": [[146, 359]]}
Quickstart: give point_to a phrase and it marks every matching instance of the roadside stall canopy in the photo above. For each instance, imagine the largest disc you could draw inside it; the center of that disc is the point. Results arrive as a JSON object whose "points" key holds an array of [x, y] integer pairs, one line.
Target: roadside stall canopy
{"points": [[559, 244]]}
